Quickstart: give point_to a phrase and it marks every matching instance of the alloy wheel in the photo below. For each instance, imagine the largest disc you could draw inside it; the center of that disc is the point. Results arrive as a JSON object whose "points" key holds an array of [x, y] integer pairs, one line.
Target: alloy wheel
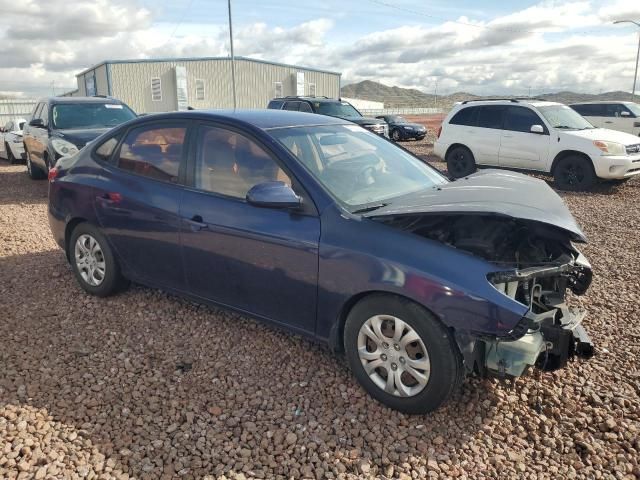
{"points": [[90, 260], [393, 355], [395, 135], [459, 163], [573, 174]]}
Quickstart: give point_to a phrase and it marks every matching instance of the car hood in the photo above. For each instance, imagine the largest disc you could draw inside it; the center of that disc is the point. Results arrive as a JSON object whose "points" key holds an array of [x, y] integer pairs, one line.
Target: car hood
{"points": [[492, 192], [417, 126], [365, 120], [604, 134], [80, 137]]}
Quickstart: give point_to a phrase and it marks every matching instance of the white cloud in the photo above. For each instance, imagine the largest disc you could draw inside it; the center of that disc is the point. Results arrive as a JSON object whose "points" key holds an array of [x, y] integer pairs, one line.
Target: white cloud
{"points": [[549, 46]]}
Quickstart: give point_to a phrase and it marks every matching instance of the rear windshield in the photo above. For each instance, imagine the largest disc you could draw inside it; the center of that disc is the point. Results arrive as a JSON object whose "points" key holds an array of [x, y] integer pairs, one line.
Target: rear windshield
{"points": [[90, 115]]}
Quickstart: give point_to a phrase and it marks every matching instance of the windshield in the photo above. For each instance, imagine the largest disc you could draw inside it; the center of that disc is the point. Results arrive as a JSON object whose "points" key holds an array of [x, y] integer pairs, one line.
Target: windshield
{"points": [[90, 115], [336, 109], [563, 117], [360, 169], [634, 107], [397, 119]]}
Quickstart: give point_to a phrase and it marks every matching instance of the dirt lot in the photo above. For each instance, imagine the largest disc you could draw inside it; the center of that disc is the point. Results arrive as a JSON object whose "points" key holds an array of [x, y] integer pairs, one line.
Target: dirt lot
{"points": [[147, 385]]}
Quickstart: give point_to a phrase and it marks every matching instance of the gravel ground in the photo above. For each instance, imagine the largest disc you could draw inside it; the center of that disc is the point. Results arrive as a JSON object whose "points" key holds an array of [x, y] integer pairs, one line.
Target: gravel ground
{"points": [[147, 385]]}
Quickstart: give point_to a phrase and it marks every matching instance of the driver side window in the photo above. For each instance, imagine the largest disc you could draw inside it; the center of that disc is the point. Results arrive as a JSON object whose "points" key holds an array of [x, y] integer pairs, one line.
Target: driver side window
{"points": [[230, 164]]}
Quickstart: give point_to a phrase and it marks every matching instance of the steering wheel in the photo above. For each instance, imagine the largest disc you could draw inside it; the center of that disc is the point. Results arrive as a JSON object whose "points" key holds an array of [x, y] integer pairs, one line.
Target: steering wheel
{"points": [[365, 175]]}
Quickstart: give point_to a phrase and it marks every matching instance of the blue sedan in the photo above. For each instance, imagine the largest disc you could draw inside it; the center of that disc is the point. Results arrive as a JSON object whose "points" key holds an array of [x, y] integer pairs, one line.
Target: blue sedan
{"points": [[323, 228]]}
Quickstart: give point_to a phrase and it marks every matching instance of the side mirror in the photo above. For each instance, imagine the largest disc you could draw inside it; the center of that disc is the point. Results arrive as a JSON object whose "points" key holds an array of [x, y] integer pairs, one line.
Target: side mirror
{"points": [[273, 195], [37, 122], [539, 129], [624, 113]]}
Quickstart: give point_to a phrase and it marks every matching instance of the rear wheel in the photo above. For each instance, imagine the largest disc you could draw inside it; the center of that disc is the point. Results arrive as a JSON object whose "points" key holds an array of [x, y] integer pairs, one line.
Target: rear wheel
{"points": [[401, 354], [460, 162], [34, 172], [93, 262], [574, 173]]}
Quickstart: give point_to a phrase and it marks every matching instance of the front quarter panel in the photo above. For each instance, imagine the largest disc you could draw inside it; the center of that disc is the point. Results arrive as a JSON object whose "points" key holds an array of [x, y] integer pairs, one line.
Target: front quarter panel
{"points": [[358, 256]]}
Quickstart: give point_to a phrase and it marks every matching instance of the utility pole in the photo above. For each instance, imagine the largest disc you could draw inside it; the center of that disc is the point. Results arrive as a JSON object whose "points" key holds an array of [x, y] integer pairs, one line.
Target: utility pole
{"points": [[635, 75], [435, 95], [233, 63]]}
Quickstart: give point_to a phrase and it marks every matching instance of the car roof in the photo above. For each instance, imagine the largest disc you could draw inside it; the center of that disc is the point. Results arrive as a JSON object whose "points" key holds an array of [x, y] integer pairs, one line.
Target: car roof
{"points": [[594, 102], [57, 100], [515, 102], [264, 118], [309, 99]]}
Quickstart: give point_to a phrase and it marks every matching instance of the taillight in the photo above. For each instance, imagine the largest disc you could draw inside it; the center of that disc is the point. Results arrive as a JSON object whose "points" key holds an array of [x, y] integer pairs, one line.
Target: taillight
{"points": [[439, 130], [53, 173]]}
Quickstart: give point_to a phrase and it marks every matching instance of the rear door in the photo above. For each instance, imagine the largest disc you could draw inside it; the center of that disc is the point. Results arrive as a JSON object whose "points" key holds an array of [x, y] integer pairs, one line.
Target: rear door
{"points": [[488, 133], [519, 147], [137, 201], [29, 131], [3, 138], [619, 117], [260, 260]]}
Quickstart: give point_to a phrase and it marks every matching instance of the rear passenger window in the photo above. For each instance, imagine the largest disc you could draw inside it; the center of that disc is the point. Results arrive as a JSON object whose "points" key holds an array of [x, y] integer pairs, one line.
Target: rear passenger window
{"points": [[104, 151], [291, 106], [491, 116], [154, 152], [304, 107], [520, 119], [466, 116]]}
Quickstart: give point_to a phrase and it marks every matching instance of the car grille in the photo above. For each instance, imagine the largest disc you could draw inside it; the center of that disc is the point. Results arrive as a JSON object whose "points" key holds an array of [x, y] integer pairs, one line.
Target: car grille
{"points": [[633, 149]]}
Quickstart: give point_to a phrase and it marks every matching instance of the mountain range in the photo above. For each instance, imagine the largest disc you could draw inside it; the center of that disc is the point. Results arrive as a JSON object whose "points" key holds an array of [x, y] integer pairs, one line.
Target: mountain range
{"points": [[411, 97]]}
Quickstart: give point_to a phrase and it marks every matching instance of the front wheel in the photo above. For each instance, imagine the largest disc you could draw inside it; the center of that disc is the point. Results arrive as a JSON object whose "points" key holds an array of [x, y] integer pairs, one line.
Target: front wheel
{"points": [[460, 162], [395, 135], [93, 262], [10, 158], [34, 172], [401, 354], [574, 173]]}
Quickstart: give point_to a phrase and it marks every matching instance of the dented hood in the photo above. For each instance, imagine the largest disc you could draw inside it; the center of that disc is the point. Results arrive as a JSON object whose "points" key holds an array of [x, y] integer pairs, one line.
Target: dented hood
{"points": [[492, 192]]}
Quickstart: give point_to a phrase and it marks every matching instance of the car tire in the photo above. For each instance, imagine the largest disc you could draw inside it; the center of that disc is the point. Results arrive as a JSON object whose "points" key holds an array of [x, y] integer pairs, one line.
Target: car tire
{"points": [[460, 162], [93, 262], [423, 343], [34, 172], [574, 173], [395, 135], [10, 157]]}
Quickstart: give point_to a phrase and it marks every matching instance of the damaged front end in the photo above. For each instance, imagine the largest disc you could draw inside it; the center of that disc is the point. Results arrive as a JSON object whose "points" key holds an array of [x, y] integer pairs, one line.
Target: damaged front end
{"points": [[536, 264]]}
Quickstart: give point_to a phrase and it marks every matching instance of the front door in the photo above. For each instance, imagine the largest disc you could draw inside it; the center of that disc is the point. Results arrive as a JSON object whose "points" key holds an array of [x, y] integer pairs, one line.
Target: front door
{"points": [[137, 202], [260, 260], [519, 148]]}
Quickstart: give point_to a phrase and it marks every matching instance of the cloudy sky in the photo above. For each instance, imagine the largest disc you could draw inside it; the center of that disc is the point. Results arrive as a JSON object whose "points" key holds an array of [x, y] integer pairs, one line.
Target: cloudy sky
{"points": [[479, 46]]}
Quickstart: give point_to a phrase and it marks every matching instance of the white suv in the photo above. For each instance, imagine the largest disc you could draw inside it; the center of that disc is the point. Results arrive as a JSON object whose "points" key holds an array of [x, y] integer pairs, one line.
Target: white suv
{"points": [[621, 116], [536, 136]]}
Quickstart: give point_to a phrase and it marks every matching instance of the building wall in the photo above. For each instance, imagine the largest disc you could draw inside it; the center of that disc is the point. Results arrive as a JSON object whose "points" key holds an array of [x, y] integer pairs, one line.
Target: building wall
{"points": [[364, 104], [101, 81], [255, 83]]}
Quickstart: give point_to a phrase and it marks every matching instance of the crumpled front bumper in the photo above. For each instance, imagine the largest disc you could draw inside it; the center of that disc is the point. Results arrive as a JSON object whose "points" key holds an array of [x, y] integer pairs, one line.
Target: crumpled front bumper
{"points": [[548, 344]]}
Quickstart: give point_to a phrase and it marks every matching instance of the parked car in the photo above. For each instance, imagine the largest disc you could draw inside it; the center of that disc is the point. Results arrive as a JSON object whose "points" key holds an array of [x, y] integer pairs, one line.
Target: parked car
{"points": [[332, 107], [11, 146], [61, 126], [330, 231], [535, 136], [621, 116], [400, 129]]}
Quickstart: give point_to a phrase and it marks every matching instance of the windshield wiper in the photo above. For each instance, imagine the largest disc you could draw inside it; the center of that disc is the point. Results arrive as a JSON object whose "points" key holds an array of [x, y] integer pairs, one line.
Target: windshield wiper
{"points": [[370, 208]]}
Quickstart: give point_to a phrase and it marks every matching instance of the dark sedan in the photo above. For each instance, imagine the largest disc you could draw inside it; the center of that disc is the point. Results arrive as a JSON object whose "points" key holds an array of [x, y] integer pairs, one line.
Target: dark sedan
{"points": [[400, 129], [328, 230]]}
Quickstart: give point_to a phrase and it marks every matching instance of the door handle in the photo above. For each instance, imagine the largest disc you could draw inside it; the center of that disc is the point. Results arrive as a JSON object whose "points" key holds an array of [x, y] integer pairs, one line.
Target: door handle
{"points": [[507, 136], [196, 224], [608, 121], [110, 201]]}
